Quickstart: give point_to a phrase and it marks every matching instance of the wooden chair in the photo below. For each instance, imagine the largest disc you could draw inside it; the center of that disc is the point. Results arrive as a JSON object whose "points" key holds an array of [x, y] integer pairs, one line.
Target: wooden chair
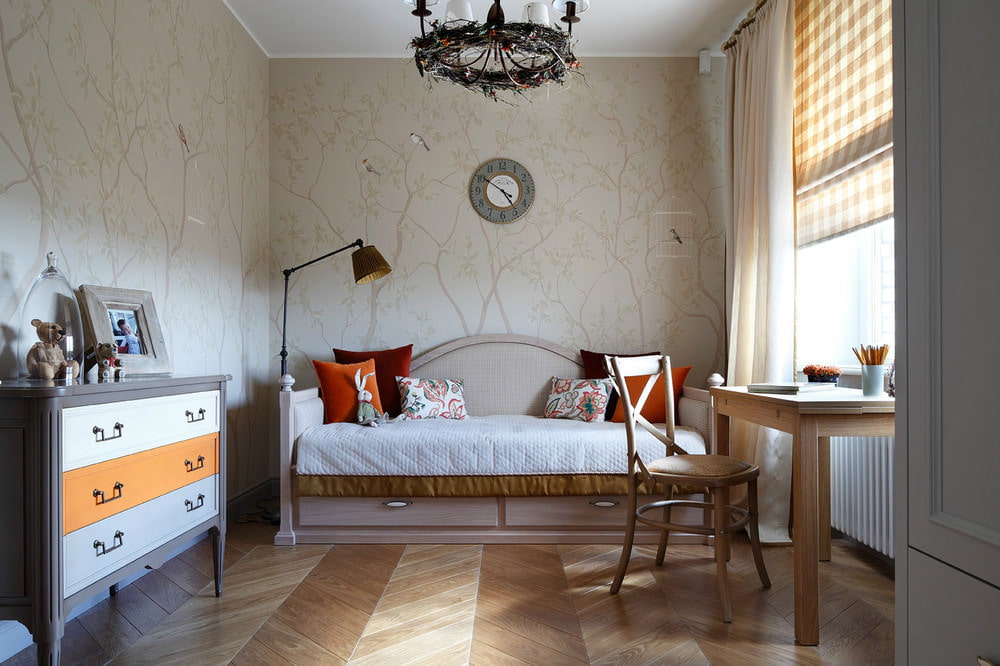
{"points": [[712, 474]]}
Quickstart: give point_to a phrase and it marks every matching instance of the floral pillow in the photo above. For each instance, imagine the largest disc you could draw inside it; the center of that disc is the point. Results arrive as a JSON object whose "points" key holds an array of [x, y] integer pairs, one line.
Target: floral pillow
{"points": [[431, 398], [579, 399]]}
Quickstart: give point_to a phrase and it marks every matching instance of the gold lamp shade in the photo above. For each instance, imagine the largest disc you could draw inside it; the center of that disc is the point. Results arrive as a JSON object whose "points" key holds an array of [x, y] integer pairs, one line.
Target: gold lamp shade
{"points": [[369, 264]]}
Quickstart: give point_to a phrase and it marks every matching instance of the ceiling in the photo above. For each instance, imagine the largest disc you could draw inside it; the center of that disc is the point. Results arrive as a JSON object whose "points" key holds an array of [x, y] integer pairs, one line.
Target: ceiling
{"points": [[383, 28]]}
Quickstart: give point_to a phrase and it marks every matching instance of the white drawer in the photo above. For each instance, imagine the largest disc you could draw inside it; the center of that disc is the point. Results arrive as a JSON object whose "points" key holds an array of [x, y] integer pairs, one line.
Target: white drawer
{"points": [[130, 534], [568, 511], [96, 433], [413, 512]]}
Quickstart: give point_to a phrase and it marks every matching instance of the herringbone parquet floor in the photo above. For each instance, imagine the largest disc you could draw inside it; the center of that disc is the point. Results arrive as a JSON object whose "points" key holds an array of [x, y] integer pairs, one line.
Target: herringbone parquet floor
{"points": [[478, 604]]}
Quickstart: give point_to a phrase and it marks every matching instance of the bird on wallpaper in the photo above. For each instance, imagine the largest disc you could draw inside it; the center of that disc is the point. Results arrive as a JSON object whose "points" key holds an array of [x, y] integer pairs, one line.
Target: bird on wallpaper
{"points": [[369, 168], [674, 236], [419, 140], [183, 138]]}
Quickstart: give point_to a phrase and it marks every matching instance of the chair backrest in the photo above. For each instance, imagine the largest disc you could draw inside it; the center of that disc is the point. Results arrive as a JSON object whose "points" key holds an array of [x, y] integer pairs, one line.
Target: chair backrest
{"points": [[648, 370]]}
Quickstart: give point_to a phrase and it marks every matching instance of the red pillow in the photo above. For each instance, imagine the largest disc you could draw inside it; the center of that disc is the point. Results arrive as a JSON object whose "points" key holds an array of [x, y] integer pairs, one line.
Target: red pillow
{"points": [[340, 393], [655, 409], [389, 364], [594, 368], [593, 363]]}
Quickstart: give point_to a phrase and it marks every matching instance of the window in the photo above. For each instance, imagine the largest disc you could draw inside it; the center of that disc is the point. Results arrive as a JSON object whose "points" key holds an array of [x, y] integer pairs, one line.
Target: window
{"points": [[845, 295], [845, 289]]}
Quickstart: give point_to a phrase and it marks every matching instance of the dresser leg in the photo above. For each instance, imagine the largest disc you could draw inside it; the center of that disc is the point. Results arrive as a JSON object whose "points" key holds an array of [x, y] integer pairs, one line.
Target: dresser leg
{"points": [[49, 653], [113, 590], [218, 545]]}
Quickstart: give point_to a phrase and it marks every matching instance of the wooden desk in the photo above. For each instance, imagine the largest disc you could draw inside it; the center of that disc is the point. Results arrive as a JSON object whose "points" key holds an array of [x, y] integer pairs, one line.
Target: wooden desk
{"points": [[811, 419]]}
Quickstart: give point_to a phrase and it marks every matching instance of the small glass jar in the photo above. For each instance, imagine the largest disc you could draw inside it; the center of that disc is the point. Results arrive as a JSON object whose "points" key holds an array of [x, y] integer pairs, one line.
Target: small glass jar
{"points": [[51, 299]]}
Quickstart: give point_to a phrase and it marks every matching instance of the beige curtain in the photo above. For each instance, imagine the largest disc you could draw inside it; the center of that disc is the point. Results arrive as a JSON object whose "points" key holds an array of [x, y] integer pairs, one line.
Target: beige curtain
{"points": [[761, 243]]}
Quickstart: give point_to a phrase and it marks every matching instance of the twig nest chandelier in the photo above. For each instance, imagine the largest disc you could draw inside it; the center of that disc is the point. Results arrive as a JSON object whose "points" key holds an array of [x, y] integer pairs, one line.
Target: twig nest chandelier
{"points": [[496, 56]]}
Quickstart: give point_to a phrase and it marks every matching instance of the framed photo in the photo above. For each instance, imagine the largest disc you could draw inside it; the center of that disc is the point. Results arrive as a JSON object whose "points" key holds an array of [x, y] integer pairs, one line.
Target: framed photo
{"points": [[127, 319]]}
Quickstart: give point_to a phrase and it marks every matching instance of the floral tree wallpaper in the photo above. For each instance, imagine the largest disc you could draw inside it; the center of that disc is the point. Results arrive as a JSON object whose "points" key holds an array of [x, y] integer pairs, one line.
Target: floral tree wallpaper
{"points": [[133, 144], [622, 250], [151, 145]]}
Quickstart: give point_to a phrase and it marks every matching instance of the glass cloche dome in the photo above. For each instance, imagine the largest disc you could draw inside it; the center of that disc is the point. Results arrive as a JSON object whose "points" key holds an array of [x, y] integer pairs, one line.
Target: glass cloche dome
{"points": [[51, 299]]}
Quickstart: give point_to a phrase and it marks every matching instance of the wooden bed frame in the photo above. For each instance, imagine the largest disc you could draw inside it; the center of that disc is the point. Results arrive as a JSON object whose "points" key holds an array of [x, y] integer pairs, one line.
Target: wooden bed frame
{"points": [[484, 363]]}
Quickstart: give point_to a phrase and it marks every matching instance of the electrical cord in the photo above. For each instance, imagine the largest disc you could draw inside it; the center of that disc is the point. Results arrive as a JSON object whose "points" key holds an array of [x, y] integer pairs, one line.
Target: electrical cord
{"points": [[267, 513]]}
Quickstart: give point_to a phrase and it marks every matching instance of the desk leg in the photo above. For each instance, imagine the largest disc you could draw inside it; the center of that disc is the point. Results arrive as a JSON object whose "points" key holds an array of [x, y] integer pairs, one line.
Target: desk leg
{"points": [[805, 491], [720, 441], [824, 499]]}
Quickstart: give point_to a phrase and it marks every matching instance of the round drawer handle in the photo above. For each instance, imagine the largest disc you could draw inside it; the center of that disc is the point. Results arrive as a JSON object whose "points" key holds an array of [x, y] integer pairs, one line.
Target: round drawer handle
{"points": [[397, 503], [604, 504]]}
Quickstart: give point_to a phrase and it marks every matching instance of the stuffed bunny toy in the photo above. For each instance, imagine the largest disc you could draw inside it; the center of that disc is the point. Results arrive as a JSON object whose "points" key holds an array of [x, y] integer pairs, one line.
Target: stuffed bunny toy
{"points": [[367, 414]]}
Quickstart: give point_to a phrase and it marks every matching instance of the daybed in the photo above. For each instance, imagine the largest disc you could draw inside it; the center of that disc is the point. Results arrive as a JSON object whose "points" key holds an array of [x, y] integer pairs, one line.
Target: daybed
{"points": [[503, 475]]}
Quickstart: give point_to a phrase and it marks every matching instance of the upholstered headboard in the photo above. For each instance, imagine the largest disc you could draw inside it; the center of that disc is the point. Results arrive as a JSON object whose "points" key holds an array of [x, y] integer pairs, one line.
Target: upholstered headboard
{"points": [[502, 374]]}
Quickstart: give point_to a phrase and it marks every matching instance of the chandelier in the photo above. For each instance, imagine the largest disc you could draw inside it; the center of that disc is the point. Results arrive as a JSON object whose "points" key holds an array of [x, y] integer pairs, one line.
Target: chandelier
{"points": [[496, 56]]}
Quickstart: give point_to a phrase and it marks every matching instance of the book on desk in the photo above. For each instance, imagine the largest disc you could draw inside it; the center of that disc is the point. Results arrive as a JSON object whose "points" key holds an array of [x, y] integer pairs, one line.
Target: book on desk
{"points": [[790, 388]]}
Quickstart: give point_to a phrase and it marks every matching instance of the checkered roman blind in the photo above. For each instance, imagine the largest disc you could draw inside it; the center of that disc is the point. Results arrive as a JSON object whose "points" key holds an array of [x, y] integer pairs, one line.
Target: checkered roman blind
{"points": [[843, 116]]}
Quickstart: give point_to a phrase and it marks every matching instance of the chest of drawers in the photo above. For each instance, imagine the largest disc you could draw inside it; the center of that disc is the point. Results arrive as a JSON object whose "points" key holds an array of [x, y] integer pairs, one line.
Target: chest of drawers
{"points": [[100, 481]]}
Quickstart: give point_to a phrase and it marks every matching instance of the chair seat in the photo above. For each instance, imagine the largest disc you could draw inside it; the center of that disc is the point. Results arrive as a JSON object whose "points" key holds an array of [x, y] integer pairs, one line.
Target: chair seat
{"points": [[699, 465]]}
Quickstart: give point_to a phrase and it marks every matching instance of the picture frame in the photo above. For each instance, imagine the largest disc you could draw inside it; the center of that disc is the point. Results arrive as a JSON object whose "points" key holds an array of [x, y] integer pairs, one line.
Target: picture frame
{"points": [[127, 319]]}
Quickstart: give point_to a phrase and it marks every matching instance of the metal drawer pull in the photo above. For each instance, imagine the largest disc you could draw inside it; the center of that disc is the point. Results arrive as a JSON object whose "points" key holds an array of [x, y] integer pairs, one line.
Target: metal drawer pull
{"points": [[397, 504], [99, 432], [118, 543], [191, 506], [99, 494], [190, 415], [604, 504], [191, 466]]}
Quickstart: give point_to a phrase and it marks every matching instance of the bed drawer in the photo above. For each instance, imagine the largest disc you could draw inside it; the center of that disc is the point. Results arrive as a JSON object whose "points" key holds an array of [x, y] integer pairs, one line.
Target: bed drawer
{"points": [[415, 512], [570, 511], [96, 433], [99, 549], [95, 492]]}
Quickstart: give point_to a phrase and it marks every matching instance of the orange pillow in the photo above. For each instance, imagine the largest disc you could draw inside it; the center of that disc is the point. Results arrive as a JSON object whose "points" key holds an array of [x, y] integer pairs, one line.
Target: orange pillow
{"points": [[389, 364], [340, 393], [655, 409]]}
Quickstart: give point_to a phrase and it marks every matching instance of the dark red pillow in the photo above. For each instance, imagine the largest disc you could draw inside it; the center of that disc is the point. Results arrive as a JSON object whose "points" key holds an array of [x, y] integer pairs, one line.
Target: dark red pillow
{"points": [[593, 363], [594, 368], [389, 364]]}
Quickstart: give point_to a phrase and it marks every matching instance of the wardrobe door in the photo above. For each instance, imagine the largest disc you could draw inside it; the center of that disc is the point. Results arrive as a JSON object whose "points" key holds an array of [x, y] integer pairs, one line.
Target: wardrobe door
{"points": [[947, 153]]}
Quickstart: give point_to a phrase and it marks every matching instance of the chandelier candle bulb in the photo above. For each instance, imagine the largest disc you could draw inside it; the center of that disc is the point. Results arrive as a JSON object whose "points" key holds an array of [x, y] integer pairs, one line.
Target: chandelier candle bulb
{"points": [[459, 10], [536, 12]]}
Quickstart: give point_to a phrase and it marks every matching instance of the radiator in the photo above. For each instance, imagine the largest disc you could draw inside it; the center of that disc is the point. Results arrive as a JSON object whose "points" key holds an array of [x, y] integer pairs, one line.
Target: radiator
{"points": [[861, 490]]}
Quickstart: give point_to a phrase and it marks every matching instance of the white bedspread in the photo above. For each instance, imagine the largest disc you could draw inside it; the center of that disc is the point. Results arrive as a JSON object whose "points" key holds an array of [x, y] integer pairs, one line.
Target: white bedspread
{"points": [[476, 446]]}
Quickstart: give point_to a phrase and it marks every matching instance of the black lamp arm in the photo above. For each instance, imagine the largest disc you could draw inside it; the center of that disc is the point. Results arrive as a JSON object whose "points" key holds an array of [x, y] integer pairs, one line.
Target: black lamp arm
{"points": [[284, 308]]}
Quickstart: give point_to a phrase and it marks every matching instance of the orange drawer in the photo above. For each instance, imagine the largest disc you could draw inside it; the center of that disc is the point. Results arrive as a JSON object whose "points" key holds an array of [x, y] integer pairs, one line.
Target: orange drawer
{"points": [[97, 491]]}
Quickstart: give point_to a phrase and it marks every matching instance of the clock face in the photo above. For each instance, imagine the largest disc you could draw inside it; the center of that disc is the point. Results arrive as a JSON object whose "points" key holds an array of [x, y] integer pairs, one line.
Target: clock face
{"points": [[501, 190]]}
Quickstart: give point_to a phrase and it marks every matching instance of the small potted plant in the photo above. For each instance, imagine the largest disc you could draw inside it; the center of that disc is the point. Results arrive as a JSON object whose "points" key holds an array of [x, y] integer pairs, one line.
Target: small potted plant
{"points": [[822, 373]]}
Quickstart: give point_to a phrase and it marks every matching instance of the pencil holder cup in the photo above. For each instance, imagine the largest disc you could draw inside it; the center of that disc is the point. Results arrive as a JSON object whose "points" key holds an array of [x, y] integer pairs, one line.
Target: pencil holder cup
{"points": [[872, 379]]}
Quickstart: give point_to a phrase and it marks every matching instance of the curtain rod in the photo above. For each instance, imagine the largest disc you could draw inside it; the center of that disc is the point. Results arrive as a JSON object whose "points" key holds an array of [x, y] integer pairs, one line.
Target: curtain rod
{"points": [[749, 20]]}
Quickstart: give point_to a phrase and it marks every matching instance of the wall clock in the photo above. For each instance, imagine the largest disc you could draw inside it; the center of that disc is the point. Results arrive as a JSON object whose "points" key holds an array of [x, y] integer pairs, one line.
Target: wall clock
{"points": [[501, 190]]}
